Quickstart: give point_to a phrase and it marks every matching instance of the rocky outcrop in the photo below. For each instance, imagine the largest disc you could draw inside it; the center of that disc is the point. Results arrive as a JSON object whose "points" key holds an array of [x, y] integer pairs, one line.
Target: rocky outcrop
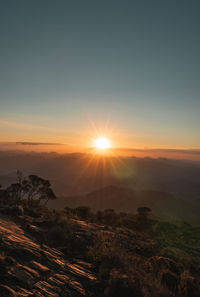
{"points": [[58, 256], [28, 268]]}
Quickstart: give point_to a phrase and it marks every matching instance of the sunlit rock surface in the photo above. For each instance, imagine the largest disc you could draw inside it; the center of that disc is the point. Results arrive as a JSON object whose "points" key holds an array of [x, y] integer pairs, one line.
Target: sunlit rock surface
{"points": [[28, 268]]}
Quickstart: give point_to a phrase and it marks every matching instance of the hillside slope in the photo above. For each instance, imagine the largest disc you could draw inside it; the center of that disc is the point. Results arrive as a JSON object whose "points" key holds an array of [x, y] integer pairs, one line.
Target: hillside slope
{"points": [[52, 254]]}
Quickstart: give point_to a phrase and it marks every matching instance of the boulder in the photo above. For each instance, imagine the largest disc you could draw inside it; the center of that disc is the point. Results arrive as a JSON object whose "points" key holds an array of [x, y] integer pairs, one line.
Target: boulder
{"points": [[157, 264]]}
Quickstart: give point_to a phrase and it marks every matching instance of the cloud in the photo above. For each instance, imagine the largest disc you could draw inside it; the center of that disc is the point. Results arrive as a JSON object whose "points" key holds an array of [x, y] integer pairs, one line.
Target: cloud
{"points": [[162, 150], [38, 143]]}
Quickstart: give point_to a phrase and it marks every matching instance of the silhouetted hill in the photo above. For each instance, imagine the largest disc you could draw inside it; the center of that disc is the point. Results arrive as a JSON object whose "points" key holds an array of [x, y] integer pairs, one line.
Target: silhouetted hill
{"points": [[163, 204]]}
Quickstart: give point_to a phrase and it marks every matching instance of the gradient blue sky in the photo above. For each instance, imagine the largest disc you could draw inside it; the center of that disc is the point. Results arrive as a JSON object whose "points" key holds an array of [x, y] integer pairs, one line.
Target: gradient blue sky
{"points": [[69, 66]]}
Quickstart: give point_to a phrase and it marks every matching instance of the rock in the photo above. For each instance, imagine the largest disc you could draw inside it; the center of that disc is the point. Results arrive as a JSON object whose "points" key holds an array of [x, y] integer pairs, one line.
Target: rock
{"points": [[25, 253], [84, 264], [43, 270], [22, 275], [77, 287], [37, 270], [55, 281], [36, 293], [6, 291], [21, 292], [80, 273], [54, 263], [51, 251], [47, 289], [33, 230], [62, 277], [33, 272]]}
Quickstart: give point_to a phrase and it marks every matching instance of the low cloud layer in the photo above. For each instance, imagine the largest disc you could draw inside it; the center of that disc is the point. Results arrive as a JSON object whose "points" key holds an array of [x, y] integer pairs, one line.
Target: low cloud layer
{"points": [[164, 150], [38, 143], [187, 154]]}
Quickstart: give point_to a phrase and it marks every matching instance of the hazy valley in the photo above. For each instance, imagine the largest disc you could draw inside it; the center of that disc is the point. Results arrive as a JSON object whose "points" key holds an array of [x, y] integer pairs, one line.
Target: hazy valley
{"points": [[170, 187]]}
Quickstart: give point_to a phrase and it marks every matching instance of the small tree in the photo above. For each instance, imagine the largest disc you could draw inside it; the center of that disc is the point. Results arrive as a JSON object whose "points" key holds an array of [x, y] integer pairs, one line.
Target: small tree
{"points": [[83, 212], [69, 211], [143, 213], [3, 196], [99, 216], [34, 189], [39, 189], [109, 217], [14, 194]]}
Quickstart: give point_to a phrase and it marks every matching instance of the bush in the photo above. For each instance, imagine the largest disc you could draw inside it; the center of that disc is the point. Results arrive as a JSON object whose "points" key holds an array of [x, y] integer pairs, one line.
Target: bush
{"points": [[83, 212]]}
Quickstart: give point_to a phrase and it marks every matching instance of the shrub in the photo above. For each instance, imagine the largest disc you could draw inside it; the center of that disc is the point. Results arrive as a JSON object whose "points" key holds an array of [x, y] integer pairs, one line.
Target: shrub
{"points": [[83, 212]]}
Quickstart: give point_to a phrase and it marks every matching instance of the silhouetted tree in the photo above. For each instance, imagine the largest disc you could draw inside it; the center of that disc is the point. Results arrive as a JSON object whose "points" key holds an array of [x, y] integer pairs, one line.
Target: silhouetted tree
{"points": [[83, 212], [109, 217], [3, 195], [99, 216], [33, 189], [69, 211], [143, 213]]}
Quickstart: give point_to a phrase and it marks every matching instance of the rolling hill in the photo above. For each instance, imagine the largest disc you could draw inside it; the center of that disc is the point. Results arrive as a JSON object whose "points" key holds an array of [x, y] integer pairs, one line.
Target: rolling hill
{"points": [[121, 199]]}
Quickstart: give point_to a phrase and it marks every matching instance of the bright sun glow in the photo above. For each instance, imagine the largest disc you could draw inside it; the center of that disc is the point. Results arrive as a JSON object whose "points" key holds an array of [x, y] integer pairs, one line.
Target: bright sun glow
{"points": [[102, 143]]}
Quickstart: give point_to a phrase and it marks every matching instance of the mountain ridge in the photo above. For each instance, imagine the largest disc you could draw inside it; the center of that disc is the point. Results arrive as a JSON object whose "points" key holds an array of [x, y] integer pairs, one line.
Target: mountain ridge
{"points": [[123, 199]]}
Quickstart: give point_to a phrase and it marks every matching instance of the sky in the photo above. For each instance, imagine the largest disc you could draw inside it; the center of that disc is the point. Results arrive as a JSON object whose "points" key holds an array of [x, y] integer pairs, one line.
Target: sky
{"points": [[74, 69]]}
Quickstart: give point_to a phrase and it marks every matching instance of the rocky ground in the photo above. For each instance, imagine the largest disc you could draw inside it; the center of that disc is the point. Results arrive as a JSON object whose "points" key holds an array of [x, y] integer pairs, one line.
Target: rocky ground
{"points": [[28, 268], [50, 255]]}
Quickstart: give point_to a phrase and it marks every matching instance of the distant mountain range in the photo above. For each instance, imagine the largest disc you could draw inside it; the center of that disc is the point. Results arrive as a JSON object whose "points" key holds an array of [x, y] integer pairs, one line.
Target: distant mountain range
{"points": [[163, 204], [170, 187]]}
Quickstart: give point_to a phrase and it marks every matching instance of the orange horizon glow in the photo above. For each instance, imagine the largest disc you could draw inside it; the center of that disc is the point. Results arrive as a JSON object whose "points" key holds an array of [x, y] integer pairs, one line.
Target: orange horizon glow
{"points": [[114, 141], [105, 140], [114, 150]]}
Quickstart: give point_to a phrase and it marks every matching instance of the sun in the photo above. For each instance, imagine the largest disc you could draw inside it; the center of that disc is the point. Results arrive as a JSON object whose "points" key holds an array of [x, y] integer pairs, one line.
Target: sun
{"points": [[102, 143]]}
